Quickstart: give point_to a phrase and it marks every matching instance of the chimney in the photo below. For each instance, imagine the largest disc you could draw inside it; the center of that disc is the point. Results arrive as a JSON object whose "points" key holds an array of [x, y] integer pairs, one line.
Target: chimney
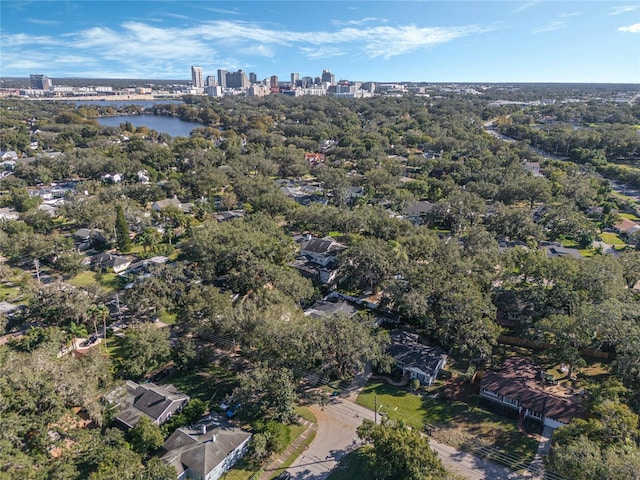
{"points": [[213, 437], [204, 428]]}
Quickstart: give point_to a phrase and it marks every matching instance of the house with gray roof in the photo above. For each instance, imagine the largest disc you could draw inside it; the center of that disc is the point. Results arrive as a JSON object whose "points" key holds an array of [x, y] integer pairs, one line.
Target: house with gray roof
{"points": [[206, 450], [322, 251], [157, 402], [414, 358], [329, 307]]}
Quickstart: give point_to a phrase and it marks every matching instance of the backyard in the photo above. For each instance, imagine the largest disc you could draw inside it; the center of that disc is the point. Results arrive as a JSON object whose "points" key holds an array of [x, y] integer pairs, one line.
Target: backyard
{"points": [[453, 422]]}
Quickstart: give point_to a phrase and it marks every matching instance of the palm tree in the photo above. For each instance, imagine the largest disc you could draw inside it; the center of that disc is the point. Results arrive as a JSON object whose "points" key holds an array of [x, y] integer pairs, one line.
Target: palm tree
{"points": [[76, 330], [103, 312]]}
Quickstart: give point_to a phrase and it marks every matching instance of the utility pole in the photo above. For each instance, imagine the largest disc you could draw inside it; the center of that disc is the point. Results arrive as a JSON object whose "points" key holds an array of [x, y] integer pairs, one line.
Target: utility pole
{"points": [[36, 263], [375, 409]]}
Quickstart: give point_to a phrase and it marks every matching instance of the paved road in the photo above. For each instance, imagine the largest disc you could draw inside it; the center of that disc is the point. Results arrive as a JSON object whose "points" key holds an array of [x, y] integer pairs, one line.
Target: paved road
{"points": [[337, 425]]}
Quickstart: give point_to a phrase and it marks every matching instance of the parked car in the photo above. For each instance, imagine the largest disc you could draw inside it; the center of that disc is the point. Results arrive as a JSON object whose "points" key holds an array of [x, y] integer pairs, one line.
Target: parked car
{"points": [[283, 476]]}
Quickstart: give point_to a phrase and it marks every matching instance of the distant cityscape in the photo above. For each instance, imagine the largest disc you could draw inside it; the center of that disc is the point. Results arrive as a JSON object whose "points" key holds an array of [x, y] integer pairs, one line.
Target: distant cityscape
{"points": [[222, 83], [238, 83]]}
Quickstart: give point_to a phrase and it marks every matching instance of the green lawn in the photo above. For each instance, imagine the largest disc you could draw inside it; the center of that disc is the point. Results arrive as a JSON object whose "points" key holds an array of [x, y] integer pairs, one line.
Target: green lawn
{"points": [[307, 414], [166, 317], [611, 238], [111, 282], [243, 470], [629, 216], [475, 423], [210, 384]]}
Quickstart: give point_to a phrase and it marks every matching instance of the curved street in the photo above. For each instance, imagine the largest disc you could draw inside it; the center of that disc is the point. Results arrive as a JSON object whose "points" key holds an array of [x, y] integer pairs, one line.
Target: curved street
{"points": [[336, 436]]}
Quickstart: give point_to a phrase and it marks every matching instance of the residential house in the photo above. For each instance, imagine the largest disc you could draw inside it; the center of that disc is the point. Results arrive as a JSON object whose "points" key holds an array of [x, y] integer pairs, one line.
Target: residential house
{"points": [[112, 177], [555, 249], [7, 213], [107, 261], [171, 202], [206, 450], [317, 259], [157, 402], [329, 307], [225, 216], [414, 358], [86, 238], [418, 212], [323, 251], [8, 155], [533, 168], [518, 388], [626, 227]]}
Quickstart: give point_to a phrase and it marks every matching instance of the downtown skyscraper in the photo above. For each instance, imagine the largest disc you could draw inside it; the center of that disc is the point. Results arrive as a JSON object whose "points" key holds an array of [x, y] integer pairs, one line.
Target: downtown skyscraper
{"points": [[197, 77]]}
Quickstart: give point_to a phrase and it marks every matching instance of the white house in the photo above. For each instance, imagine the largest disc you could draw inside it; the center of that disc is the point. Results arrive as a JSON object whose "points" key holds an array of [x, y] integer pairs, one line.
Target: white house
{"points": [[416, 359], [206, 450]]}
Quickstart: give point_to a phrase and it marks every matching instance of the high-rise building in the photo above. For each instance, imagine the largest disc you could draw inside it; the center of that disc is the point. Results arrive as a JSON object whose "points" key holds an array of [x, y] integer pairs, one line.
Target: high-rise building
{"points": [[295, 77], [197, 77], [306, 82], [40, 82], [253, 78], [237, 80], [222, 78], [210, 81], [328, 77]]}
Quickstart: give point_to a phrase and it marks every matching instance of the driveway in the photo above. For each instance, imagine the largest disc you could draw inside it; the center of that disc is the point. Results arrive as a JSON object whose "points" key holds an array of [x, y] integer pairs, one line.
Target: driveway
{"points": [[337, 423]]}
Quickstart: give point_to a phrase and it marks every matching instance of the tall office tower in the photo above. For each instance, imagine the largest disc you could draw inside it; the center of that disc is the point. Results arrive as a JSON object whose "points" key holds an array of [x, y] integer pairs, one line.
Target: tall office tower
{"points": [[237, 80], [40, 82], [210, 81], [306, 82], [329, 77], [197, 78], [294, 79], [253, 78], [222, 78], [273, 81]]}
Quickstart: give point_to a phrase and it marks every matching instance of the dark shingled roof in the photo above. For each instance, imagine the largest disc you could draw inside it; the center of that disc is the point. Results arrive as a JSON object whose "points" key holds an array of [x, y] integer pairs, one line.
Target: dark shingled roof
{"points": [[405, 348], [323, 246]]}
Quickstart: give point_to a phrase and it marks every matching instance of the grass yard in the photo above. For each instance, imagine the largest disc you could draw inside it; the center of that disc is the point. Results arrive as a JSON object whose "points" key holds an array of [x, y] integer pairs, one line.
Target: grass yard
{"points": [[475, 423], [629, 216], [210, 383], [167, 318], [611, 238], [110, 282], [243, 470]]}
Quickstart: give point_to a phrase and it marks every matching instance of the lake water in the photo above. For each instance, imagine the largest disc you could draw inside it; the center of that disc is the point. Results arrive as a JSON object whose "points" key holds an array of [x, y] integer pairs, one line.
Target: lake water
{"points": [[170, 125]]}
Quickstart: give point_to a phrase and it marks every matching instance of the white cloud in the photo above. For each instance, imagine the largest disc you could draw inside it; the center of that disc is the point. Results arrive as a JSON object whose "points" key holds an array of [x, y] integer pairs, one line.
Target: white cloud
{"points": [[524, 6], [623, 9], [551, 26], [341, 23], [38, 21], [635, 28], [569, 15], [143, 48]]}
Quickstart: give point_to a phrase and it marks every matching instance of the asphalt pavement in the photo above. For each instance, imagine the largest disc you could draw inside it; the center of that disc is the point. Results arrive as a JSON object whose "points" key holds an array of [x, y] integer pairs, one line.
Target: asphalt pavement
{"points": [[337, 423]]}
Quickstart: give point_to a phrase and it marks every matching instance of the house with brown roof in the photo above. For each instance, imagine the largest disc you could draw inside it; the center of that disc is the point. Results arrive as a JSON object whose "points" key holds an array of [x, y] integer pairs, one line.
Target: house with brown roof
{"points": [[206, 450], [518, 386]]}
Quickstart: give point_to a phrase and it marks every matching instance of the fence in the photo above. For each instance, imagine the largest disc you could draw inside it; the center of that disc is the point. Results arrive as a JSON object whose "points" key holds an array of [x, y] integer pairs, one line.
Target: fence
{"points": [[525, 342]]}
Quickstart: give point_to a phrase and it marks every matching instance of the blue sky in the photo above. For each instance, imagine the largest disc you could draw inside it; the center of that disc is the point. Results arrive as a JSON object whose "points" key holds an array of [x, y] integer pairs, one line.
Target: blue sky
{"points": [[430, 41]]}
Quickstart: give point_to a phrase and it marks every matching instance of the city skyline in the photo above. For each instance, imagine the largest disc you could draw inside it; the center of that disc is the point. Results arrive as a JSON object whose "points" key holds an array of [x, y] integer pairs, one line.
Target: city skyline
{"points": [[457, 41]]}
